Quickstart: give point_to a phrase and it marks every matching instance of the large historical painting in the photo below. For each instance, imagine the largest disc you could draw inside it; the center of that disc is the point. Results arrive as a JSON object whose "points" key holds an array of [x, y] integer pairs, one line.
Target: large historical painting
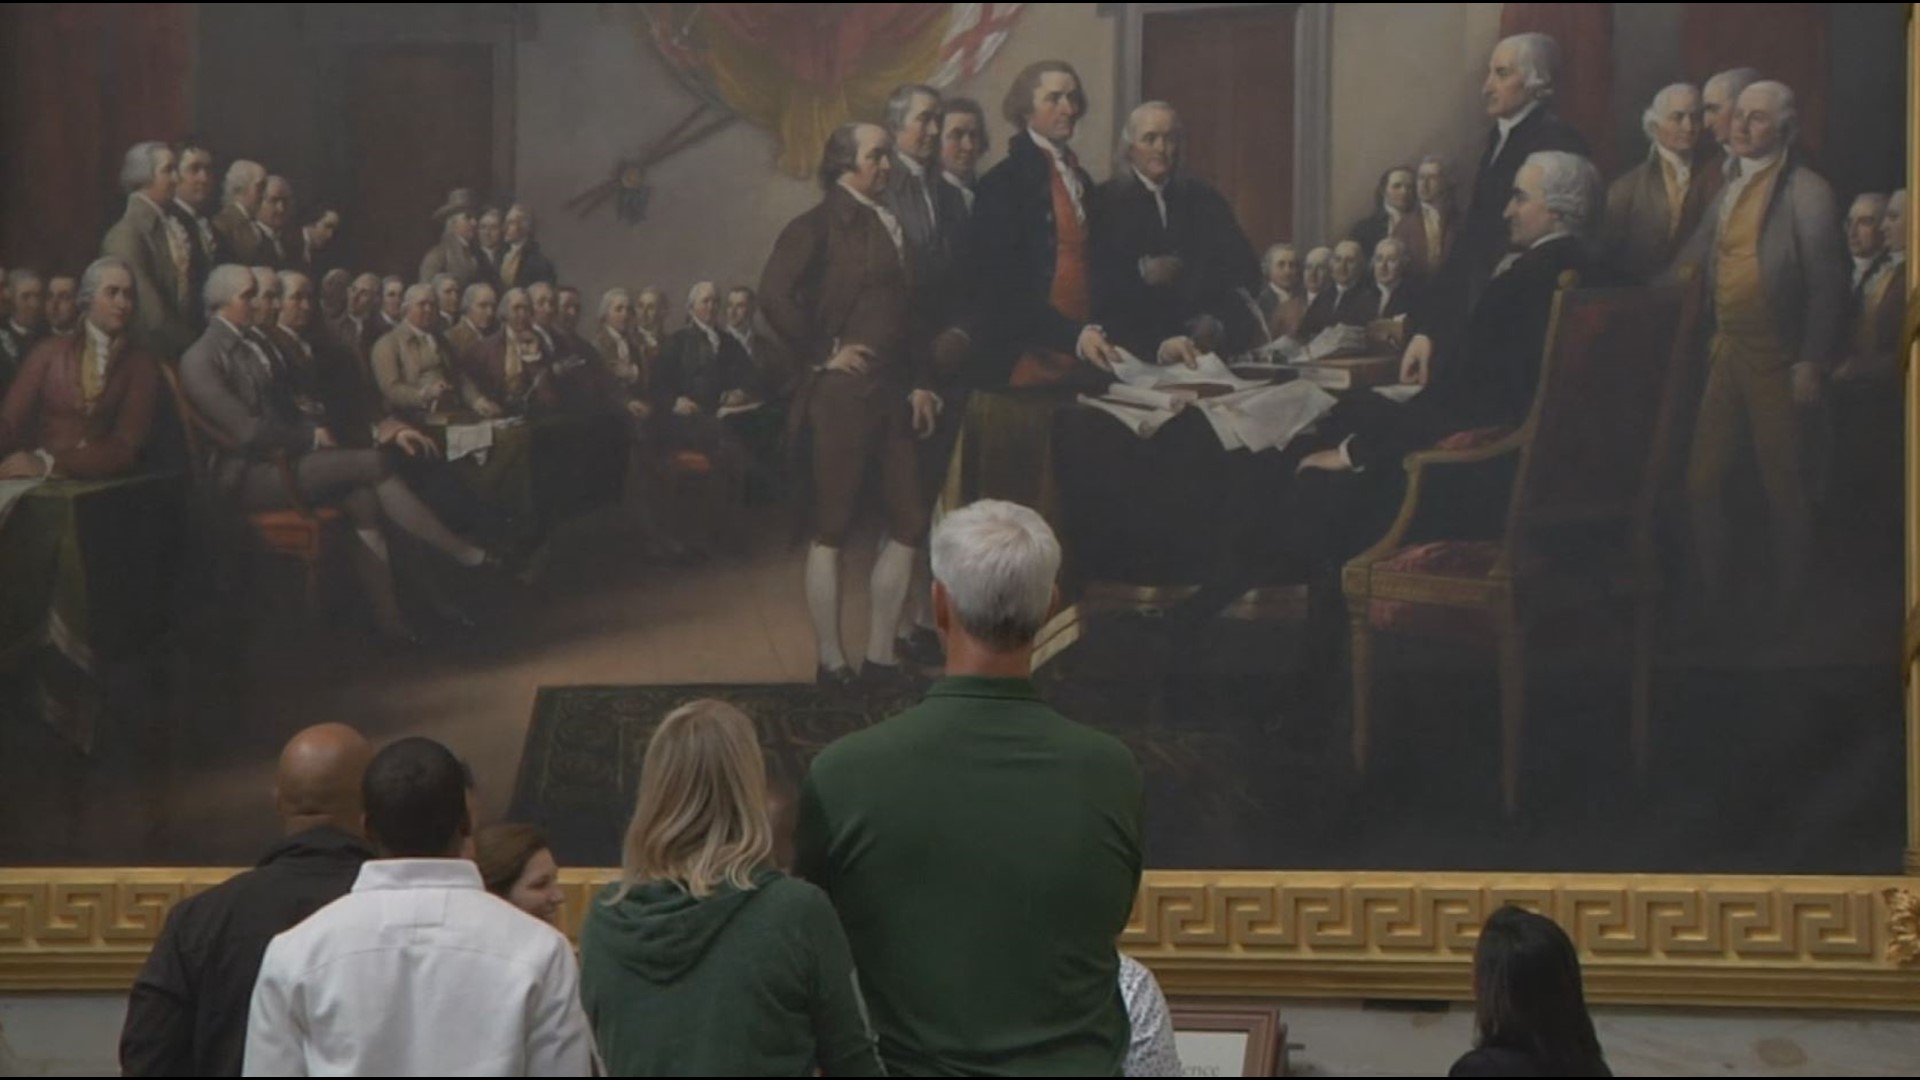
{"points": [[1475, 431]]}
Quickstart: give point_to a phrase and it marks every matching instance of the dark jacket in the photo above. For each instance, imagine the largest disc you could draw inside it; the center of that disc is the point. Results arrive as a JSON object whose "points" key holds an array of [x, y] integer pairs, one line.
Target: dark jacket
{"points": [[187, 1015], [835, 276], [534, 266], [740, 983], [1217, 265], [1483, 232], [1486, 377], [1504, 1061], [690, 366], [1012, 247]]}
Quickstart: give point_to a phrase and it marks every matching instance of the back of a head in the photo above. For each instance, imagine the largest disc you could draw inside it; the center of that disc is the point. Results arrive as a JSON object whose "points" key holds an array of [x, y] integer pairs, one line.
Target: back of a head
{"points": [[416, 798], [1528, 995], [997, 562], [503, 851], [319, 778], [701, 819]]}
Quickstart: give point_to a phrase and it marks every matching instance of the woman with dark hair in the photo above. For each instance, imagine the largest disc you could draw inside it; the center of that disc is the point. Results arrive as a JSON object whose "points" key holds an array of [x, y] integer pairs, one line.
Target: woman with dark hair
{"points": [[1530, 1012], [517, 865]]}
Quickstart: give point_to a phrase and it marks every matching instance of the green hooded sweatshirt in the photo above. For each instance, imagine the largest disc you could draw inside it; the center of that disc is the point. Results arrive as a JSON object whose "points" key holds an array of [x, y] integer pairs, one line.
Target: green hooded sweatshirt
{"points": [[757, 982]]}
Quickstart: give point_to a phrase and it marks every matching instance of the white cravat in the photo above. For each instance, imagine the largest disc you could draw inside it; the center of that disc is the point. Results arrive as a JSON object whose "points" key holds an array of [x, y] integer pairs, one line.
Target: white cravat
{"points": [[199, 223], [1159, 195], [713, 336], [1276, 290], [620, 346], [1860, 268], [745, 338], [1506, 125], [102, 351], [886, 218], [260, 354], [423, 338], [1070, 177], [1682, 167], [966, 189], [1386, 297], [1744, 170]]}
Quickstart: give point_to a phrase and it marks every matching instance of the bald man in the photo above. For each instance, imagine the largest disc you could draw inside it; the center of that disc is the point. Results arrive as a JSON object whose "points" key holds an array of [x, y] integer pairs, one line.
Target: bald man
{"points": [[187, 1015]]}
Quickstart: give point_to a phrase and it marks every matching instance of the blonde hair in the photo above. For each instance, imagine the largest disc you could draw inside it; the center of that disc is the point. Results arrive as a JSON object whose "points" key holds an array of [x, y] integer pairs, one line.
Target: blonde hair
{"points": [[701, 819]]}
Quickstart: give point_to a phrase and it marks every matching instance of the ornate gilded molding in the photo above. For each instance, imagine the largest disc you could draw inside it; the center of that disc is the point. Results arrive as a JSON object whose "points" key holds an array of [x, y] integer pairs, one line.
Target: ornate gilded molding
{"points": [[1827, 942], [1903, 927]]}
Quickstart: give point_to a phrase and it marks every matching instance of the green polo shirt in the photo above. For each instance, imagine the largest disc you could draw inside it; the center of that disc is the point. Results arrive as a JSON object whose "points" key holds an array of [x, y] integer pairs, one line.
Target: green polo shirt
{"points": [[983, 852]]}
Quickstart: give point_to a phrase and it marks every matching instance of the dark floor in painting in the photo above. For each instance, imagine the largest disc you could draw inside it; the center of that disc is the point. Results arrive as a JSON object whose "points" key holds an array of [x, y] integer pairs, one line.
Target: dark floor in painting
{"points": [[1768, 756]]}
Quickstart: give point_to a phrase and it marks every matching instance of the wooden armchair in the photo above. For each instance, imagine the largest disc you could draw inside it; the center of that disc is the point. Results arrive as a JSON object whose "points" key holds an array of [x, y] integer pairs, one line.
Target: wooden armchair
{"points": [[300, 533], [1588, 463]]}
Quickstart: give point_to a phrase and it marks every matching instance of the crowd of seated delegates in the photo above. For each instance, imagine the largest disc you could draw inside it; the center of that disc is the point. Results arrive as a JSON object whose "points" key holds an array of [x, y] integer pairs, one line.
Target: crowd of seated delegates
{"points": [[385, 935], [282, 355]]}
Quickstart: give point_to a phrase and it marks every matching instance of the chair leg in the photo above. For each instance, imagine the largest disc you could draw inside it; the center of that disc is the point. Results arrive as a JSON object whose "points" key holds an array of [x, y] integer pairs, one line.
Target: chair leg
{"points": [[1513, 706], [1362, 665], [1640, 716]]}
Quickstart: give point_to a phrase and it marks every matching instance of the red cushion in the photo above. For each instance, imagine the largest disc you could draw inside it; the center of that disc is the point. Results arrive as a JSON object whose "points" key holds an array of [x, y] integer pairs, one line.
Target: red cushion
{"points": [[691, 461], [1439, 558], [1473, 439]]}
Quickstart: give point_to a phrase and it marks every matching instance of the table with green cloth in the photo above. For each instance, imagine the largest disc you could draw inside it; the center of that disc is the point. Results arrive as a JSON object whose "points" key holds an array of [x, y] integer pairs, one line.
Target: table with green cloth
{"points": [[88, 567], [547, 469]]}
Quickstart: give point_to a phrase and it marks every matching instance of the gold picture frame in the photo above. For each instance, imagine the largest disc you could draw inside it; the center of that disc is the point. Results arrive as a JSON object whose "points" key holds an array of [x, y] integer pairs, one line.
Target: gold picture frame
{"points": [[1675, 939]]}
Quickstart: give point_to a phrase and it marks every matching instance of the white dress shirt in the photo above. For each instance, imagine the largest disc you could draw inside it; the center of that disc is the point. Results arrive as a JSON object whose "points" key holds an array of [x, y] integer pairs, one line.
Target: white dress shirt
{"points": [[419, 971]]}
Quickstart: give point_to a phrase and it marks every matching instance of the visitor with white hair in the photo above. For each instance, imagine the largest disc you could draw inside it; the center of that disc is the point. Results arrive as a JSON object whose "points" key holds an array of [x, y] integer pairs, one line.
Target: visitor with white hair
{"points": [[983, 833]]}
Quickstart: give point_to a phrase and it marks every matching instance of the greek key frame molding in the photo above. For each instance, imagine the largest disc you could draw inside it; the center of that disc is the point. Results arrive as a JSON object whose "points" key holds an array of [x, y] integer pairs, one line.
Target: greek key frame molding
{"points": [[1785, 942], [1779, 942]]}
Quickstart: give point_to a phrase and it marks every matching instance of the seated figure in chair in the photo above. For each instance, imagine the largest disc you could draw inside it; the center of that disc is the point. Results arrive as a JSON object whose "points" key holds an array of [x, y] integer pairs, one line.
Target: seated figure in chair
{"points": [[82, 406], [262, 439], [415, 367], [1350, 481]]}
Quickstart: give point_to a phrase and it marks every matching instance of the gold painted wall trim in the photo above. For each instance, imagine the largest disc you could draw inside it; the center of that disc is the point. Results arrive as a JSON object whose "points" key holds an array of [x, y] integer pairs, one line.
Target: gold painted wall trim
{"points": [[1782, 942]]}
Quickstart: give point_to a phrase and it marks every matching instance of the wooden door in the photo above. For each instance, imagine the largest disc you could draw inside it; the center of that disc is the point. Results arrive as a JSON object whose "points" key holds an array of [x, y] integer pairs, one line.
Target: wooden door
{"points": [[420, 125], [1230, 73]]}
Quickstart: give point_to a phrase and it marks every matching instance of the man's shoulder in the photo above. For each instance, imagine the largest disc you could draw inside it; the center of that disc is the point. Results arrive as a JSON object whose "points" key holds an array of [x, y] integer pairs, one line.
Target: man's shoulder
{"points": [[212, 343]]}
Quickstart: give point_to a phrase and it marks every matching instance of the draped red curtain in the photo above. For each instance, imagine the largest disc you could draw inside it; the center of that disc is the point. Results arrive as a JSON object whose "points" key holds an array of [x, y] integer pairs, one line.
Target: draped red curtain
{"points": [[1584, 94], [824, 44], [82, 82], [1786, 42]]}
